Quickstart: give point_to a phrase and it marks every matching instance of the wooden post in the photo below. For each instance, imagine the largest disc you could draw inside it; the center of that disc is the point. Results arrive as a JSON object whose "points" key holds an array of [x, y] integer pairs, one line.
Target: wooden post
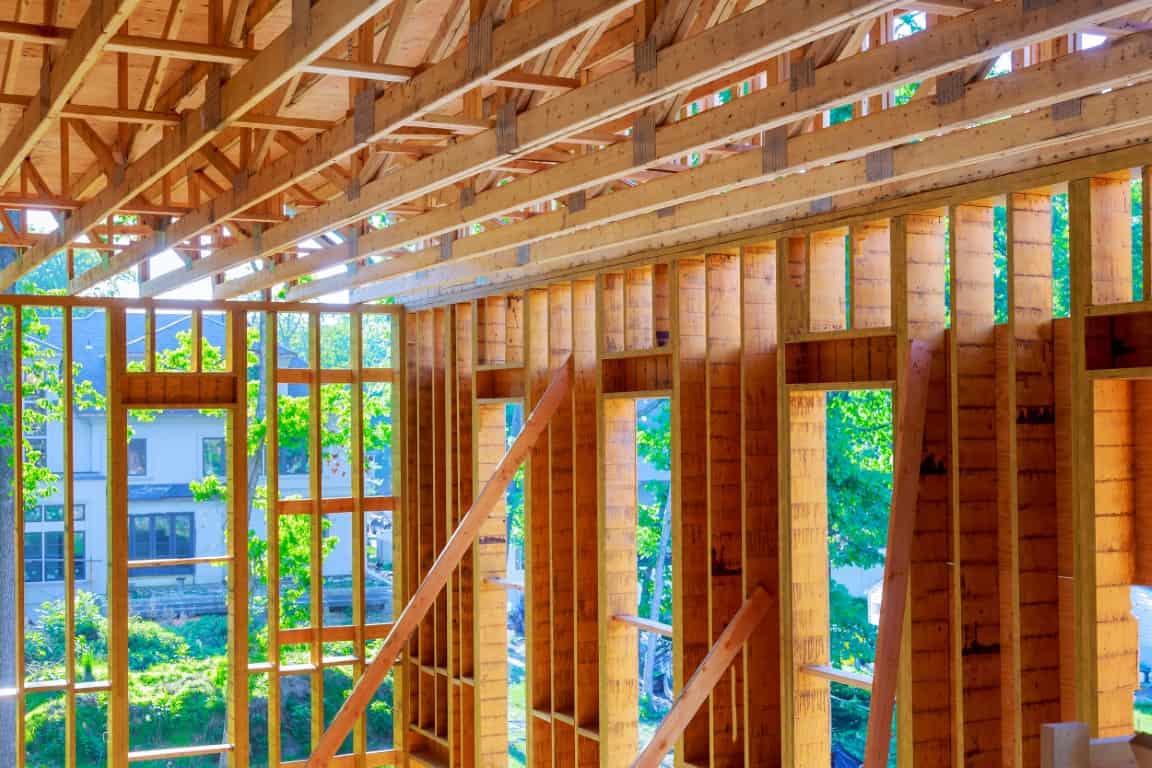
{"points": [[705, 678], [425, 595], [911, 409]]}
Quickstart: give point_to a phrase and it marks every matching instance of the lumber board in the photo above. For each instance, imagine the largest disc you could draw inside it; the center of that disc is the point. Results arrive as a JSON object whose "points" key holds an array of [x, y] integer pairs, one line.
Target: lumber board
{"points": [[711, 670], [689, 493], [911, 410], [759, 457]]}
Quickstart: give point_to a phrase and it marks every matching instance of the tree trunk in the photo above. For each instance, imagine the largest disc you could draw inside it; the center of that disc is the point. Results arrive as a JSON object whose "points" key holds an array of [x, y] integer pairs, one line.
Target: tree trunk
{"points": [[657, 594], [9, 728]]}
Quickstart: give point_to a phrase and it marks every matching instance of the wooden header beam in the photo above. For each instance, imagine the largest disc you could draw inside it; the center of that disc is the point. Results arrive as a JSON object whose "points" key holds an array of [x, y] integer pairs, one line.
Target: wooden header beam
{"points": [[911, 413], [430, 587], [705, 678]]}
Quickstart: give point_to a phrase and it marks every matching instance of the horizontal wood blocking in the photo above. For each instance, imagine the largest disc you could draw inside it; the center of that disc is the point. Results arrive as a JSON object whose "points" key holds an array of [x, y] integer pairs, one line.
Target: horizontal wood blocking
{"points": [[843, 361]]}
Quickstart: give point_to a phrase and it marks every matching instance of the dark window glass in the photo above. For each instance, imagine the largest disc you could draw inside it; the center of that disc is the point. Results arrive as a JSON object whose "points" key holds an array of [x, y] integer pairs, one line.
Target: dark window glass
{"points": [[214, 463], [54, 545], [182, 536], [32, 546], [137, 457], [54, 513], [80, 563], [140, 545], [162, 536], [34, 515]]}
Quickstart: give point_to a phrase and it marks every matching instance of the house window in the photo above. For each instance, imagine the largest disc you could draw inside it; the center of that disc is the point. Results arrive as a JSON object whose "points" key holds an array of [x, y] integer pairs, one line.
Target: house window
{"points": [[53, 513], [44, 556], [163, 536], [212, 457], [137, 457]]}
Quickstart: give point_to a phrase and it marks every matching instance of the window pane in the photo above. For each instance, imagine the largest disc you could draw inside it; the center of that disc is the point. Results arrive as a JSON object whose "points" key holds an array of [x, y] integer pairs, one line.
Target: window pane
{"points": [[54, 545], [53, 570], [54, 513], [182, 536], [32, 547], [137, 457], [34, 515], [140, 545], [78, 512], [213, 452], [163, 538], [33, 571]]}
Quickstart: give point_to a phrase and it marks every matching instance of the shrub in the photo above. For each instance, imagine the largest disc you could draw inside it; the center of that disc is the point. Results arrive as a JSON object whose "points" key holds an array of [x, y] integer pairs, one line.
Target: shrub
{"points": [[205, 635], [178, 703], [150, 643]]}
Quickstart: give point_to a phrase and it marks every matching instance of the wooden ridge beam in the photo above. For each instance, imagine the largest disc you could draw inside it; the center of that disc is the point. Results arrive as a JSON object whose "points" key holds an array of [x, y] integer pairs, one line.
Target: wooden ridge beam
{"points": [[696, 691], [433, 582], [61, 76], [1031, 89], [520, 38], [744, 216], [299, 45], [920, 55], [911, 413], [184, 50], [765, 31]]}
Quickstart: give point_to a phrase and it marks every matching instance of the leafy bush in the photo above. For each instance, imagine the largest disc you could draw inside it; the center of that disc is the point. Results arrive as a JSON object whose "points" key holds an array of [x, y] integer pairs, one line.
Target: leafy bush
{"points": [[44, 731], [150, 643], [205, 635], [178, 703]]}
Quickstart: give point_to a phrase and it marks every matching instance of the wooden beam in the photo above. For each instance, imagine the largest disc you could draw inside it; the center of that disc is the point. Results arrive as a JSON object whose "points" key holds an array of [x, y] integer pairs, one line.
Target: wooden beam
{"points": [[60, 79], [1030, 89], [911, 411], [185, 50], [433, 582], [329, 21], [704, 679], [519, 39]]}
